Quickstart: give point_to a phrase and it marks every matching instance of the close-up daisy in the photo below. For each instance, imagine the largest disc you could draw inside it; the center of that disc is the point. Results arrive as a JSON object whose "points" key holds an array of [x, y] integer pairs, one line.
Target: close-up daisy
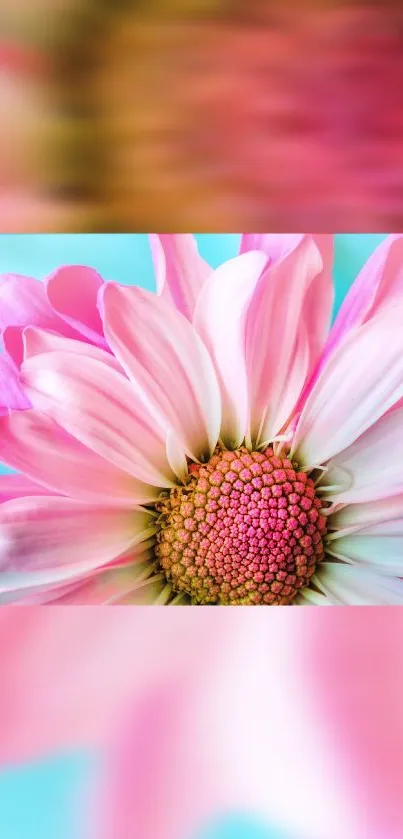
{"points": [[215, 443]]}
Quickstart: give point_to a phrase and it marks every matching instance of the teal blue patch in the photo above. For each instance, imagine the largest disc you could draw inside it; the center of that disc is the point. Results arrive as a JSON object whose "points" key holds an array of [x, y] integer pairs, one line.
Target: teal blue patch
{"points": [[218, 247], [240, 827], [351, 252], [44, 800], [125, 258]]}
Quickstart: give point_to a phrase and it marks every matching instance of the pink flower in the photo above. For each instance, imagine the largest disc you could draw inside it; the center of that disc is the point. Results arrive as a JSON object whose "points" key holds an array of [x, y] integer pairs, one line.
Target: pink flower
{"points": [[210, 444], [65, 305]]}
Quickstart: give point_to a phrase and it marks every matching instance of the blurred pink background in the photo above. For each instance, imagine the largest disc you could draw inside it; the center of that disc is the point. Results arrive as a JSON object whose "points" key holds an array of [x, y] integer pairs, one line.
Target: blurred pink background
{"points": [[293, 718]]}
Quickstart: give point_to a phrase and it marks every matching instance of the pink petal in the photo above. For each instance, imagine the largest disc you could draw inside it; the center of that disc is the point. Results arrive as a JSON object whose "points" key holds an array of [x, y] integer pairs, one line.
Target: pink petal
{"points": [[358, 384], [115, 587], [152, 592], [263, 354], [372, 467], [317, 307], [379, 283], [37, 341], [319, 300], [167, 362], [50, 540], [277, 343], [72, 292], [13, 343], [179, 269], [275, 245], [100, 408], [23, 302], [220, 319], [318, 304], [104, 585], [34, 444], [17, 486], [279, 245], [11, 394]]}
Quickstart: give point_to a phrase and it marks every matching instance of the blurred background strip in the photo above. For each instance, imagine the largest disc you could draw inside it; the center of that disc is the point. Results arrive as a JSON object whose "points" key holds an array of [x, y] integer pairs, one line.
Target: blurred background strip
{"points": [[200, 114]]}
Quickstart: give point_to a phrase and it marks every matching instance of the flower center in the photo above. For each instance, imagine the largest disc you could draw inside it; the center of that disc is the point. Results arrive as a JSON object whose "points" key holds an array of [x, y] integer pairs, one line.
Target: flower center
{"points": [[246, 529]]}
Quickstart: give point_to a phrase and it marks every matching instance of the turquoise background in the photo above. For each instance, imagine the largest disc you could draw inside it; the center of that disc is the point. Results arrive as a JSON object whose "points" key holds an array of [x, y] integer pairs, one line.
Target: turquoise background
{"points": [[126, 257], [43, 801]]}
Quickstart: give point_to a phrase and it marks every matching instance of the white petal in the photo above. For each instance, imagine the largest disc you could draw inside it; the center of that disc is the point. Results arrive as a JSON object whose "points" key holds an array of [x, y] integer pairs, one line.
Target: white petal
{"points": [[352, 585], [372, 467], [51, 540], [359, 384], [277, 346], [371, 534], [34, 444], [356, 516], [176, 456], [220, 319], [309, 597], [167, 362], [101, 409]]}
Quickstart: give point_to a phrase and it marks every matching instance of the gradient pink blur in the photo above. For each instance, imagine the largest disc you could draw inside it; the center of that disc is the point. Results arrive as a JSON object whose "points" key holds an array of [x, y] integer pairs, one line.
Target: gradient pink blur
{"points": [[293, 717], [209, 116]]}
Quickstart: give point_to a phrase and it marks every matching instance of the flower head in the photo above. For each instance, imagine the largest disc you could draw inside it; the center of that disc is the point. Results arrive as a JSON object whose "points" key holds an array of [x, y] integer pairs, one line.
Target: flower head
{"points": [[212, 443]]}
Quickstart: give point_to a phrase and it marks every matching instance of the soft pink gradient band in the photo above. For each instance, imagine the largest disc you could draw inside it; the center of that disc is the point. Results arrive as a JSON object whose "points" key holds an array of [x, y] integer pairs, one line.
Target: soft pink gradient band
{"points": [[292, 716]]}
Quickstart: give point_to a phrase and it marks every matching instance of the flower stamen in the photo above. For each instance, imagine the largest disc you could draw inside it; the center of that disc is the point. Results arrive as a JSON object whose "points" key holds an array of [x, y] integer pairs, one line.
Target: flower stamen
{"points": [[246, 529]]}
